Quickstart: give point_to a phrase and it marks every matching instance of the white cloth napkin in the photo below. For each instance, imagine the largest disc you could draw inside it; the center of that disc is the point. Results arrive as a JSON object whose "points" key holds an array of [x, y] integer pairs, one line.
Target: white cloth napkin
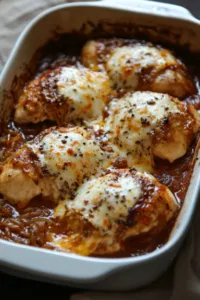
{"points": [[182, 280]]}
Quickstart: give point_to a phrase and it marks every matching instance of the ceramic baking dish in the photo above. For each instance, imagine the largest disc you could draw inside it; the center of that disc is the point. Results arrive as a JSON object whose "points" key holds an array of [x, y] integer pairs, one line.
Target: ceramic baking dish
{"points": [[163, 22]]}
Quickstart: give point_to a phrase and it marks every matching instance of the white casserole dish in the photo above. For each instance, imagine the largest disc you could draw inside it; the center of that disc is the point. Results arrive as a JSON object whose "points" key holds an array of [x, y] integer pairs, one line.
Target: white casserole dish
{"points": [[74, 270]]}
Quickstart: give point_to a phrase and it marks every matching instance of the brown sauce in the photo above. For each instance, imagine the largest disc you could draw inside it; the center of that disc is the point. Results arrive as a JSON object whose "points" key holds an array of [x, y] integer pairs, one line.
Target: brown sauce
{"points": [[32, 224]]}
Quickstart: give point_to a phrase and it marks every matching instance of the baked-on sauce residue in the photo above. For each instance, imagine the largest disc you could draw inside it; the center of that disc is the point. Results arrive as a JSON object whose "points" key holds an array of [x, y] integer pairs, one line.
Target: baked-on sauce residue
{"points": [[32, 224]]}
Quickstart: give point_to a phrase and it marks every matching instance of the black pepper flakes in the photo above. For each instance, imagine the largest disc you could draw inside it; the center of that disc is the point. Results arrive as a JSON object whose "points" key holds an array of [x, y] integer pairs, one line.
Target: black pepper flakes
{"points": [[144, 121]]}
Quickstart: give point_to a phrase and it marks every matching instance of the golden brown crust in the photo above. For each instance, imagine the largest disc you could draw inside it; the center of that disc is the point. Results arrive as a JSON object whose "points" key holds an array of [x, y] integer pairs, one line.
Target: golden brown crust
{"points": [[177, 129], [40, 100], [173, 78]]}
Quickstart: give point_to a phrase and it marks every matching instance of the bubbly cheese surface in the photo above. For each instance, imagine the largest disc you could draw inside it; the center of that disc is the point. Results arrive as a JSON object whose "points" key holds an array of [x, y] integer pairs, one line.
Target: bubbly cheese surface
{"points": [[132, 120], [70, 155], [105, 200], [139, 66], [85, 91], [126, 64], [113, 207]]}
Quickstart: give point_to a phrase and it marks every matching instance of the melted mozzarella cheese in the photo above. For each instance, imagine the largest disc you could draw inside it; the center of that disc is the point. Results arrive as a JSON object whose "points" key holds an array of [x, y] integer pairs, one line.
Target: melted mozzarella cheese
{"points": [[106, 200], [126, 64], [85, 91], [132, 120], [69, 155], [111, 208]]}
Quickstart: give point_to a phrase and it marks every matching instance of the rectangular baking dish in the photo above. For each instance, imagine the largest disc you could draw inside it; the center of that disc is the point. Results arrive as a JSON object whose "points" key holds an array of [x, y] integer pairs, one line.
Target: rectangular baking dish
{"points": [[162, 22]]}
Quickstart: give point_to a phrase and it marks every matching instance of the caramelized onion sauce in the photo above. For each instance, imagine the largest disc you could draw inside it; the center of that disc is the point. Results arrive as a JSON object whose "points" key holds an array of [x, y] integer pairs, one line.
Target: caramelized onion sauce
{"points": [[33, 224]]}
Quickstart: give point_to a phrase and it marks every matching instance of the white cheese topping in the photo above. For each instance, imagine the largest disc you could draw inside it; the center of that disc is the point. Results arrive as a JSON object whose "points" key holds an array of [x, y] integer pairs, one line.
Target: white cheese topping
{"points": [[106, 200], [85, 91], [131, 121], [69, 155], [126, 64]]}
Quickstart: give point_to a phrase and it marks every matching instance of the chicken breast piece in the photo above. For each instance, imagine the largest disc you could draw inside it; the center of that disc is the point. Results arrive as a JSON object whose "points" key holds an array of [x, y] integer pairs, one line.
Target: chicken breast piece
{"points": [[64, 94], [147, 124], [54, 165], [139, 67], [95, 53], [109, 209]]}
